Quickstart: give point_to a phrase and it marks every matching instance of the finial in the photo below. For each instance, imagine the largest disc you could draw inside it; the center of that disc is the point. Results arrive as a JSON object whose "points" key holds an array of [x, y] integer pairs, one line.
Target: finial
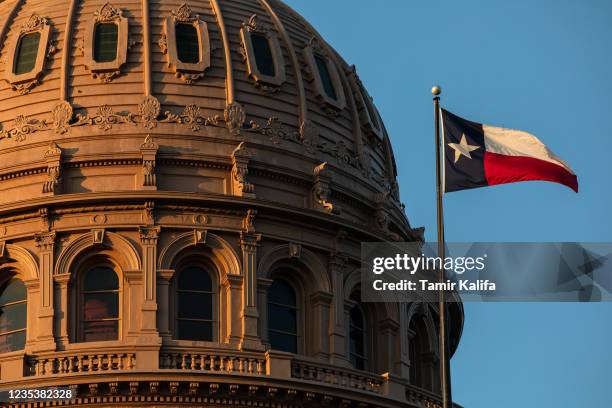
{"points": [[436, 90]]}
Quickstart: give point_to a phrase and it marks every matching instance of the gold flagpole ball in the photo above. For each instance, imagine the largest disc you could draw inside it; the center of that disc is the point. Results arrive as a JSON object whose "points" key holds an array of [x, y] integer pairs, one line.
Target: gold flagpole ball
{"points": [[436, 90]]}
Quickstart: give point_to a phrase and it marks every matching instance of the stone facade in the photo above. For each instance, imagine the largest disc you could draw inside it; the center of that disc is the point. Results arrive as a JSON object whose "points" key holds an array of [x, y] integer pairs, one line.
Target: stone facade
{"points": [[149, 163]]}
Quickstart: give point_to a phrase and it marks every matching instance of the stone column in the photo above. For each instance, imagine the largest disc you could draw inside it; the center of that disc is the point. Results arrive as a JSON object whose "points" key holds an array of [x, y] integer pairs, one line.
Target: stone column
{"points": [[132, 301], [45, 241], [148, 240], [33, 290], [262, 300], [61, 308], [319, 324], [164, 276], [386, 345], [233, 286], [249, 242], [337, 330]]}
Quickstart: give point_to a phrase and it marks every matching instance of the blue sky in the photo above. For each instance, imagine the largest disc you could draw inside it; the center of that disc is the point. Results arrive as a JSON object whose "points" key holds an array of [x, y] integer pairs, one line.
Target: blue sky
{"points": [[543, 66]]}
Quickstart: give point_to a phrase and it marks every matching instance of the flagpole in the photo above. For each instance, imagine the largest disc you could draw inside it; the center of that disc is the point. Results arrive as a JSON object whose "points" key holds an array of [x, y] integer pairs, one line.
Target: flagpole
{"points": [[443, 350]]}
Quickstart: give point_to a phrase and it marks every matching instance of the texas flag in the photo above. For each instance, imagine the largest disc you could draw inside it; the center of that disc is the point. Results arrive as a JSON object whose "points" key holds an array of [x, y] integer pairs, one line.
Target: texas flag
{"points": [[477, 155]]}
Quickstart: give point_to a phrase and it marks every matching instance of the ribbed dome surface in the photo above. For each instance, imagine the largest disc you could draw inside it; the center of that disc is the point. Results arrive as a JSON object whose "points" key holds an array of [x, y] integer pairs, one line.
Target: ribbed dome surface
{"points": [[301, 123]]}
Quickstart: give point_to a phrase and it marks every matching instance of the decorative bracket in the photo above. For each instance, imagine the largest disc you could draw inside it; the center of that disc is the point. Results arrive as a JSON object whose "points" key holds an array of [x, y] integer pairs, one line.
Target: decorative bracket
{"points": [[53, 156], [199, 236], [148, 151], [240, 160], [381, 218], [321, 190]]}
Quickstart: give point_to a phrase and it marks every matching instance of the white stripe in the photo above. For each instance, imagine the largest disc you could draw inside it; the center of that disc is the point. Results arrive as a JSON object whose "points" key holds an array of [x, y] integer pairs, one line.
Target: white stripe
{"points": [[511, 142]]}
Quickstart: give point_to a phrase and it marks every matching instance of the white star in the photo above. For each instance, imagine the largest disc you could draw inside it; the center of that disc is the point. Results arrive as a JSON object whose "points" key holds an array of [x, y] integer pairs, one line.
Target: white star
{"points": [[462, 148]]}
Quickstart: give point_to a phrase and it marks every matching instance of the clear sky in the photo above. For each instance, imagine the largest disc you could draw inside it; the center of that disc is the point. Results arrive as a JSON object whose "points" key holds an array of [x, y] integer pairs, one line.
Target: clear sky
{"points": [[544, 66]]}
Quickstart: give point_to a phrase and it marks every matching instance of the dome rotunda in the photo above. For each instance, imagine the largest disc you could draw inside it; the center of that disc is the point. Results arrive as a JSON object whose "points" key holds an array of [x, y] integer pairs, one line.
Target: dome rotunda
{"points": [[175, 177]]}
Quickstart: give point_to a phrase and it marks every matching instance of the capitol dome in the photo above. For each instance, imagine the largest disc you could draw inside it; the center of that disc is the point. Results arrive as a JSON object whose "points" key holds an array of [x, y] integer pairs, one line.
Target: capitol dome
{"points": [[184, 190]]}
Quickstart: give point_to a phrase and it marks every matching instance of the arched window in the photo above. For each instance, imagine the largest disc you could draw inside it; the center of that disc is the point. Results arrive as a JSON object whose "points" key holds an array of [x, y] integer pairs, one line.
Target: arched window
{"points": [[195, 305], [100, 305], [187, 43], [263, 54], [106, 37], [27, 53], [357, 338], [424, 367], [282, 317], [13, 307]]}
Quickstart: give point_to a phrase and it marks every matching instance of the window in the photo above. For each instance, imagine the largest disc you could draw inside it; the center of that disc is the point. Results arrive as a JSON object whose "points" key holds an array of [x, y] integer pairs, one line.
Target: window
{"points": [[13, 307], [105, 42], [263, 54], [326, 79], [100, 305], [282, 317], [27, 53], [187, 43], [357, 338], [195, 305]]}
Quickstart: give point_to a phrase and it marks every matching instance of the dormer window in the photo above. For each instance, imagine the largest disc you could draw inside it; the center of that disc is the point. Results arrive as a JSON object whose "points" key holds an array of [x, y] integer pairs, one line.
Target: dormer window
{"points": [[325, 77], [262, 54], [27, 50], [105, 42], [186, 43]]}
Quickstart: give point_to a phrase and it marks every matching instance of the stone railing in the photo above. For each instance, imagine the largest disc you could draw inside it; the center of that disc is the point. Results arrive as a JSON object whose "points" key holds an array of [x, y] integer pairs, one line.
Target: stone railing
{"points": [[68, 363], [213, 361], [303, 369]]}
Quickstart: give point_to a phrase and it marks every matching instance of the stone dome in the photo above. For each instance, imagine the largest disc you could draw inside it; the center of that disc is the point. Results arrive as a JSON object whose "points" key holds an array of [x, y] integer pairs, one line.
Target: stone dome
{"points": [[200, 112], [168, 171]]}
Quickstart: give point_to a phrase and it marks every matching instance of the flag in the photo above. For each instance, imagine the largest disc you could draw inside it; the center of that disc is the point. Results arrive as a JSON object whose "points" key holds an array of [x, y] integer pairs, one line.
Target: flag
{"points": [[478, 155]]}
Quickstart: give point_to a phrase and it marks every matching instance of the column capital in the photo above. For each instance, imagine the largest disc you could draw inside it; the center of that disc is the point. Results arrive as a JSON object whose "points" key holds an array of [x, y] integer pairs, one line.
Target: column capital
{"points": [[45, 240], [62, 279], [233, 281], [249, 240], [149, 235]]}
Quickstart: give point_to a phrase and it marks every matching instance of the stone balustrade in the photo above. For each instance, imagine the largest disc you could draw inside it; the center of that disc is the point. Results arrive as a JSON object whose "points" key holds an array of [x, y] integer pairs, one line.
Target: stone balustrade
{"points": [[84, 362], [303, 369], [213, 361]]}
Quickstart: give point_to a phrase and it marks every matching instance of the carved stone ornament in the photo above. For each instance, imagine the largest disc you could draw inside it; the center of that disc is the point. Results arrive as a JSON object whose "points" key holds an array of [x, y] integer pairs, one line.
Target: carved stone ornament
{"points": [[53, 157], [321, 190], [148, 151], [24, 83], [248, 224], [381, 219], [188, 72], [235, 116], [149, 110], [108, 70], [62, 115], [309, 135], [240, 160]]}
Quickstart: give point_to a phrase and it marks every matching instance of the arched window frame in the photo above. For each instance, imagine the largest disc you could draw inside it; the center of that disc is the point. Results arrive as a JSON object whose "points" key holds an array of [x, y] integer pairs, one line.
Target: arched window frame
{"points": [[422, 350], [23, 83], [76, 297], [106, 71], [311, 51], [267, 83], [188, 72], [7, 274], [211, 270], [365, 334]]}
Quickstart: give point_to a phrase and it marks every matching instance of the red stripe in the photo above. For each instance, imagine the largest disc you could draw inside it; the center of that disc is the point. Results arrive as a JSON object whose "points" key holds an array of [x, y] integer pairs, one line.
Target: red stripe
{"points": [[501, 169]]}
